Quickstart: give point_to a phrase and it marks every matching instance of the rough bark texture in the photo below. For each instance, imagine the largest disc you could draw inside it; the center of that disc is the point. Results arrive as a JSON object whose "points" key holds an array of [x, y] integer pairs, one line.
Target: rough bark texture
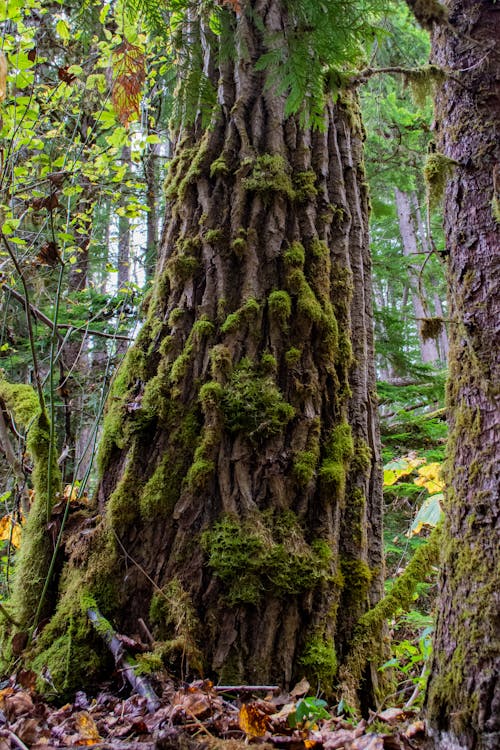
{"points": [[463, 700], [240, 491]]}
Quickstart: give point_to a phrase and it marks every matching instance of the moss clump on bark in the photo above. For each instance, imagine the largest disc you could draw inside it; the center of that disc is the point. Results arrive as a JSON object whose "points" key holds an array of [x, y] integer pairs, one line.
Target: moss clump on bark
{"points": [[221, 362], [304, 467], [177, 626], [253, 405], [114, 432], [270, 174], [292, 356], [280, 305], [219, 166], [268, 550], [319, 661], [212, 236], [437, 171], [338, 452], [246, 313], [304, 186], [295, 255]]}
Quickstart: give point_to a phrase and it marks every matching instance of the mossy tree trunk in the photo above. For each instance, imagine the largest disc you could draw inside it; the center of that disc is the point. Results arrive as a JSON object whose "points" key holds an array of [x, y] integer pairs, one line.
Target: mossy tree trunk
{"points": [[240, 491], [463, 700]]}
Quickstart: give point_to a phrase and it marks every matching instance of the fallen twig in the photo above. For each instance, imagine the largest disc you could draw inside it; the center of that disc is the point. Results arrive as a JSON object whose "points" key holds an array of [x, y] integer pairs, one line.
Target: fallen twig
{"points": [[122, 660], [246, 688]]}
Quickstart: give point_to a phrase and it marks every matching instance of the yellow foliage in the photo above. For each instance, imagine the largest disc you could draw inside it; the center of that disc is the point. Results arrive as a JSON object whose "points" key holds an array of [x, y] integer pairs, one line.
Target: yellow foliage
{"points": [[402, 467], [252, 720], [429, 476], [10, 529]]}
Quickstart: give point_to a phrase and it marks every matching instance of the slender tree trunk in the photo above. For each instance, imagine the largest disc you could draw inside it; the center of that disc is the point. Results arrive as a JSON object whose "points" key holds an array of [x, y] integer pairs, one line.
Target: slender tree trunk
{"points": [[240, 491], [428, 347], [463, 700]]}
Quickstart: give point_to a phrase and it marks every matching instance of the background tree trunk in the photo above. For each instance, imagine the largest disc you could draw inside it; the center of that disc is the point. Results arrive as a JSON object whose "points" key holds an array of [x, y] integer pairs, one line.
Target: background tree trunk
{"points": [[428, 347], [463, 699]]}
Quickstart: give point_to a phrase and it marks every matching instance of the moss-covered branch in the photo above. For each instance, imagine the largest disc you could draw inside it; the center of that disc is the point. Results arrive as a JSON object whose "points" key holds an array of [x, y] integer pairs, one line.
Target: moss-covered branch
{"points": [[366, 640]]}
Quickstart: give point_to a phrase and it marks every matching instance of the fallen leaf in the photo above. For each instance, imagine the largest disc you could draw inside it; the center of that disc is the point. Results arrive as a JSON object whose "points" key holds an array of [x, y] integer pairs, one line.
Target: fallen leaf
{"points": [[392, 715], [301, 688], [27, 730], [252, 720], [87, 729], [193, 703], [17, 704]]}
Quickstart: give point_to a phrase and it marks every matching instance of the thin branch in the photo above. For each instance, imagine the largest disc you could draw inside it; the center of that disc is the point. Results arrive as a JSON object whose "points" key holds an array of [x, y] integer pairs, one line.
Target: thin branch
{"points": [[39, 315], [27, 307]]}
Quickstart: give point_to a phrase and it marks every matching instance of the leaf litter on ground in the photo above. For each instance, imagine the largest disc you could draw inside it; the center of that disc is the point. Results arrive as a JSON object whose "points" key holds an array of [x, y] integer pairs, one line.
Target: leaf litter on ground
{"points": [[196, 716]]}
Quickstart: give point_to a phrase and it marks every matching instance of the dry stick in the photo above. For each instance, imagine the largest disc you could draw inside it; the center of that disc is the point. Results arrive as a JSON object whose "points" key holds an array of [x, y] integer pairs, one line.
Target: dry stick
{"points": [[139, 684], [246, 688]]}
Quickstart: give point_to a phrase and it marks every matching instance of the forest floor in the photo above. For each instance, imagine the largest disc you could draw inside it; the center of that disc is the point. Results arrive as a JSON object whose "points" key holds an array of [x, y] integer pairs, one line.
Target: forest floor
{"points": [[196, 716]]}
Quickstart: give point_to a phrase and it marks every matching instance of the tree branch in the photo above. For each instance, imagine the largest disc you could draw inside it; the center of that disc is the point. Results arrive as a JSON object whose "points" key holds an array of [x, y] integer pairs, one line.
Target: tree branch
{"points": [[39, 315]]}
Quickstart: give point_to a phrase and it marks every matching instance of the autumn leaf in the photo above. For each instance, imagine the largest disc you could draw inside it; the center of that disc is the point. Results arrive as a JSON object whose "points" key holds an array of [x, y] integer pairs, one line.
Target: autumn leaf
{"points": [[129, 74], [87, 729], [429, 476], [252, 720], [10, 529], [402, 467], [429, 515]]}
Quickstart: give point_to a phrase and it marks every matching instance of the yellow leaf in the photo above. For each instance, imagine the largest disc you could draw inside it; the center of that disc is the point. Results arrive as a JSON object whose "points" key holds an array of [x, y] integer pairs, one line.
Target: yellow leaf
{"points": [[10, 529], [395, 470], [429, 476], [87, 729], [253, 721]]}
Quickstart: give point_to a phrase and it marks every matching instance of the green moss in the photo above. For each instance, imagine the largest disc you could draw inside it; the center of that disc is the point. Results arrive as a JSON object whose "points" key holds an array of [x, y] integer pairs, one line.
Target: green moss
{"points": [[210, 394], [148, 663], [181, 363], [182, 267], [437, 171], [34, 556], [304, 186], [318, 249], [338, 452], [270, 174], [319, 661], [176, 315], [268, 363], [219, 166], [361, 460], [366, 643], [280, 305], [304, 467], [495, 208], [185, 168], [202, 328], [423, 82], [295, 255], [357, 578], [221, 361], [239, 246], [253, 405], [199, 472], [307, 304], [176, 622], [266, 551], [292, 356], [212, 236], [247, 313]]}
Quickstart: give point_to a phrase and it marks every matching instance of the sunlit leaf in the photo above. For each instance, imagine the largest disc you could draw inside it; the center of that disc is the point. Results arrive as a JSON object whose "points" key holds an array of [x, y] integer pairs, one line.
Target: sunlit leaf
{"points": [[429, 515], [429, 476], [252, 720]]}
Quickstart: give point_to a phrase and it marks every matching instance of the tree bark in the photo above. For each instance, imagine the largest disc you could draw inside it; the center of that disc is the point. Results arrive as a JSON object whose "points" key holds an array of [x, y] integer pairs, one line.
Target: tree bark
{"points": [[240, 477], [463, 698]]}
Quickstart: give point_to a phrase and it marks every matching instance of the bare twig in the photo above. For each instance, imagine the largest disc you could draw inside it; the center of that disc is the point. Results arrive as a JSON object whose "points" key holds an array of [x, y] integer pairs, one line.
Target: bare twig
{"points": [[139, 683]]}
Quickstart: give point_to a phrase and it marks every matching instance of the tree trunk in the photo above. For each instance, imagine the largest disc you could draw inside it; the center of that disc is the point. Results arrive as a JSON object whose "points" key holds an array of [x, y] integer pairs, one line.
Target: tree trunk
{"points": [[463, 700], [240, 489], [428, 348]]}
